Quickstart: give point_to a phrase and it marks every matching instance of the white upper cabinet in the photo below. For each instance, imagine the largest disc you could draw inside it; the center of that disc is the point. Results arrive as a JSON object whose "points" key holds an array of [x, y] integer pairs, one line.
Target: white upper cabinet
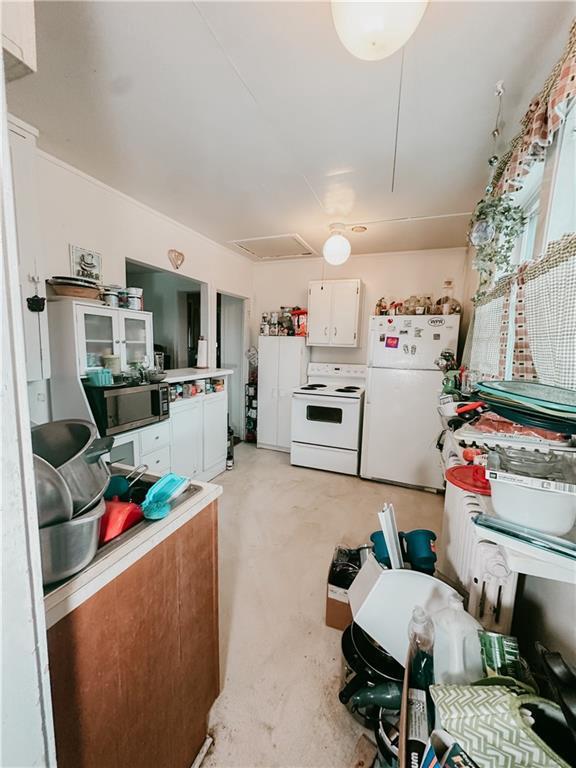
{"points": [[334, 313], [31, 271], [136, 337], [106, 331], [18, 38], [319, 313]]}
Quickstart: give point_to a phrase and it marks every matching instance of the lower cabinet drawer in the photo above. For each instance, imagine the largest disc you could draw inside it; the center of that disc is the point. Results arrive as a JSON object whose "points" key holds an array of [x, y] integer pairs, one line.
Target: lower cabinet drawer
{"points": [[154, 437], [158, 461]]}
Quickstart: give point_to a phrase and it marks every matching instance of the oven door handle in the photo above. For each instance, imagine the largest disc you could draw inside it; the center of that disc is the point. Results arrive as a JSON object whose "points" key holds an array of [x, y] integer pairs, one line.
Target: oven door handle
{"points": [[326, 400]]}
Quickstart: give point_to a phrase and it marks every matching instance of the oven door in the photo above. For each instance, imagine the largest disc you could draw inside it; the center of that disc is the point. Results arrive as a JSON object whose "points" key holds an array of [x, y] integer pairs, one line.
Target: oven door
{"points": [[131, 407], [330, 421]]}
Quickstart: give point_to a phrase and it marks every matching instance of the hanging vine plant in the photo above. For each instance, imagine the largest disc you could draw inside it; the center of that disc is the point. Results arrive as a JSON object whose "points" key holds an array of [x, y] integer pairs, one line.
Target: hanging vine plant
{"points": [[495, 227]]}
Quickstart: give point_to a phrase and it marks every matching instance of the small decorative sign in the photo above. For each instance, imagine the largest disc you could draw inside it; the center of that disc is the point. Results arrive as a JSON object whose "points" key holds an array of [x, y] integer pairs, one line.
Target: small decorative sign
{"points": [[85, 263], [176, 258]]}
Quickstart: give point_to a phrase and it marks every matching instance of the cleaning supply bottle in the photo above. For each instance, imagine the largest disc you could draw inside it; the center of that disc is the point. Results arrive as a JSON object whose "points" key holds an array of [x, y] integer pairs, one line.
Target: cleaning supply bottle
{"points": [[421, 676], [421, 636], [457, 656]]}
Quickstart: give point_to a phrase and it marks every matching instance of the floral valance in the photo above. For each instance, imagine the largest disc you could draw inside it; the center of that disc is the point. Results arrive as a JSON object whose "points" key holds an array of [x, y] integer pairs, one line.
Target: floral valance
{"points": [[544, 117]]}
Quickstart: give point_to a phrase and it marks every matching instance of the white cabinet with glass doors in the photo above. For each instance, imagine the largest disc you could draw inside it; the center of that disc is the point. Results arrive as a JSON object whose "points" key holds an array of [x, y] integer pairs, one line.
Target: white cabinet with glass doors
{"points": [[106, 331]]}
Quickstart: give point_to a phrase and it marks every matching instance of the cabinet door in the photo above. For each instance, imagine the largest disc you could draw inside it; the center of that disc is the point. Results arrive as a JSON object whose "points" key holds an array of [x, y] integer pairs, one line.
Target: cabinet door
{"points": [[344, 313], [319, 309], [215, 428], [268, 353], [186, 438], [289, 378], [32, 278], [136, 338], [98, 334]]}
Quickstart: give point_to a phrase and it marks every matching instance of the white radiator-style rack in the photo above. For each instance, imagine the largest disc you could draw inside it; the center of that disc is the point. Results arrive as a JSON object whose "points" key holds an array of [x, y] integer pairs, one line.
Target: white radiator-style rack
{"points": [[475, 567]]}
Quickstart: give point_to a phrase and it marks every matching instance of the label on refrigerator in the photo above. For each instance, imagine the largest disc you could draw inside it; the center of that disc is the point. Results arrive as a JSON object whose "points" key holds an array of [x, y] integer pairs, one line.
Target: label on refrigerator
{"points": [[392, 342]]}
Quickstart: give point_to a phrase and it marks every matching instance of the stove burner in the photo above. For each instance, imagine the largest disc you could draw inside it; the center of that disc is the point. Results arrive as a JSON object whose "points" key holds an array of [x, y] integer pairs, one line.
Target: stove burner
{"points": [[348, 389], [313, 386]]}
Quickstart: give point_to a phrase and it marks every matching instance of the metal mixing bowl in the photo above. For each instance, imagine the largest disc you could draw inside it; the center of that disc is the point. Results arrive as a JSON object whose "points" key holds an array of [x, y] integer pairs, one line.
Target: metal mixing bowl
{"points": [[67, 548]]}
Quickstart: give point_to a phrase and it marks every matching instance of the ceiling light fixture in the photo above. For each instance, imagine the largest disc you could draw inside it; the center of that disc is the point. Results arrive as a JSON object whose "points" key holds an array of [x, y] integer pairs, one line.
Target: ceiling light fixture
{"points": [[337, 248], [374, 30], [359, 228]]}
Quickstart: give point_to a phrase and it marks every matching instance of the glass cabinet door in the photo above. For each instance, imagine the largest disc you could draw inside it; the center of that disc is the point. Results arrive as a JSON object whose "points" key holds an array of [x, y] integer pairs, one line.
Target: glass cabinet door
{"points": [[98, 337], [137, 338]]}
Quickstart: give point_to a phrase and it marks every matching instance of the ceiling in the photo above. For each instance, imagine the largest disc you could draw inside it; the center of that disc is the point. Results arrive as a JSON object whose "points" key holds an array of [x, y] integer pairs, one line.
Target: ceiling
{"points": [[248, 119]]}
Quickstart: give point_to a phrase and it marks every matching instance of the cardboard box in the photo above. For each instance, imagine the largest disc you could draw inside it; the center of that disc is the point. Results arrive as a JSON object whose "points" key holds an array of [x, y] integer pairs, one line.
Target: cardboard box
{"points": [[338, 611]]}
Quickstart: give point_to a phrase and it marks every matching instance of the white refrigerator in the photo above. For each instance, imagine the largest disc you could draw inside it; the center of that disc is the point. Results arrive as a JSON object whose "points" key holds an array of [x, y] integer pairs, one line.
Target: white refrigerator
{"points": [[401, 422]]}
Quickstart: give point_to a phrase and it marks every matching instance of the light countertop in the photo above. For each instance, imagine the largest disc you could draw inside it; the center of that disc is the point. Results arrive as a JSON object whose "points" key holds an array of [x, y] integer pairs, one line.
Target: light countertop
{"points": [[121, 553], [189, 374]]}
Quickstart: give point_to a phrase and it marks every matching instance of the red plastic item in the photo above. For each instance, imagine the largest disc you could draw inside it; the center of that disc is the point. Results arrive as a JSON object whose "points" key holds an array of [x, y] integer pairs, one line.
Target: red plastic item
{"points": [[119, 517], [469, 407], [469, 478]]}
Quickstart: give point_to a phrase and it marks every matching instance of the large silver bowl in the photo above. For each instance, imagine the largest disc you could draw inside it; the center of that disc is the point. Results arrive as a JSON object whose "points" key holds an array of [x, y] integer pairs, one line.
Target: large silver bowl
{"points": [[53, 497], [74, 448], [67, 548]]}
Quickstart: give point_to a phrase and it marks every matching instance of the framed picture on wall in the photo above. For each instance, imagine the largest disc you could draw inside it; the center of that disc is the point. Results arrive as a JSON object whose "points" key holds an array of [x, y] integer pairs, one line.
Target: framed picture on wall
{"points": [[85, 263]]}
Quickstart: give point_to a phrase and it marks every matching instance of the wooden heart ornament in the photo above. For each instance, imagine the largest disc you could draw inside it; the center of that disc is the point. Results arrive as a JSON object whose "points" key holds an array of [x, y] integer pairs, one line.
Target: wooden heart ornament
{"points": [[176, 258]]}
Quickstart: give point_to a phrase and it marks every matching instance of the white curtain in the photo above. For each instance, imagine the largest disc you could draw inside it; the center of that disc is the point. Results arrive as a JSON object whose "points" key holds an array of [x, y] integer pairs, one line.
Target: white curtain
{"points": [[485, 351], [550, 310]]}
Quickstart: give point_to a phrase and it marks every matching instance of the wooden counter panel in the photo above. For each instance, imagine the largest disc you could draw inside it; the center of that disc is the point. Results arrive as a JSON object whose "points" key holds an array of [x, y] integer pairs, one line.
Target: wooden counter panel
{"points": [[134, 670]]}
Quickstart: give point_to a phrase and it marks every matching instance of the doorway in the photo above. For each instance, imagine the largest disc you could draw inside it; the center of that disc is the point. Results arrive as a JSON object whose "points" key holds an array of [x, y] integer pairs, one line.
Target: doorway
{"points": [[176, 302], [230, 349]]}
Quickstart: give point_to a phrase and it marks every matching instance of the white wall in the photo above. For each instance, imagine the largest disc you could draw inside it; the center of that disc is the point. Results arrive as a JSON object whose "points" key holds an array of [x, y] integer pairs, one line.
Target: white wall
{"points": [[75, 208], [393, 275]]}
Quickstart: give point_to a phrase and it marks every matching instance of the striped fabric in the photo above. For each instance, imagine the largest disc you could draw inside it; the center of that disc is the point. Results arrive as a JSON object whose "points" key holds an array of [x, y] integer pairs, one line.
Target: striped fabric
{"points": [[487, 722], [545, 115]]}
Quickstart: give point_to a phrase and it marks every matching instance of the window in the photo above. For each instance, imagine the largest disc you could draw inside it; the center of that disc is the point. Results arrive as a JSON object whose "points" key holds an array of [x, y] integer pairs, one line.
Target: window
{"points": [[562, 216]]}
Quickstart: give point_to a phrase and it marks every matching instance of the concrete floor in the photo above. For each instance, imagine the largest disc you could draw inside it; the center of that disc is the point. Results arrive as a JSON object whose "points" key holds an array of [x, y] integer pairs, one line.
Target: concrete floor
{"points": [[279, 525]]}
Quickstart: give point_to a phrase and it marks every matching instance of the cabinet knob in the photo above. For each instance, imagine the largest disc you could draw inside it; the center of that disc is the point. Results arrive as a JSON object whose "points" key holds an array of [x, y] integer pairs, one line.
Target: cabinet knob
{"points": [[335, 331], [325, 330]]}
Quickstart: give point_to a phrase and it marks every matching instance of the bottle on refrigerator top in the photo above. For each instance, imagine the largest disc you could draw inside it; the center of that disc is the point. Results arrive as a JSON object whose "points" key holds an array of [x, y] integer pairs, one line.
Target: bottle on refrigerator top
{"points": [[457, 655]]}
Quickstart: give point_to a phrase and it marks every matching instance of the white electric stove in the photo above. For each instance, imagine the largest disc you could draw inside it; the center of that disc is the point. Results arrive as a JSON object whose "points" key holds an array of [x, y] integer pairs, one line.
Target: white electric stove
{"points": [[327, 418]]}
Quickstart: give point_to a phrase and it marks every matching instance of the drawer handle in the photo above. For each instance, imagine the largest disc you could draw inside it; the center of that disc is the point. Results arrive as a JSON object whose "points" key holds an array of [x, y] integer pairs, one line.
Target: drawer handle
{"points": [[157, 461]]}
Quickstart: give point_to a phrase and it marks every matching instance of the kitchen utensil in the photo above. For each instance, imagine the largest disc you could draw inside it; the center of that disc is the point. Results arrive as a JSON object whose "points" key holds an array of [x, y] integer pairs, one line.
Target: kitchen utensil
{"points": [[119, 517], [365, 665], [119, 485], [68, 547], [101, 378], [157, 502], [111, 297], [112, 363], [542, 504], [469, 478], [556, 544], [74, 291], [75, 450], [73, 280], [155, 377], [532, 393], [53, 498]]}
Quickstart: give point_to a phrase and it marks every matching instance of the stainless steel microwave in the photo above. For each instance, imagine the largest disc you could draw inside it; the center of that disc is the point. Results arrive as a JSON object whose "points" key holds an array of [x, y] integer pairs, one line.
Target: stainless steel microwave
{"points": [[118, 409]]}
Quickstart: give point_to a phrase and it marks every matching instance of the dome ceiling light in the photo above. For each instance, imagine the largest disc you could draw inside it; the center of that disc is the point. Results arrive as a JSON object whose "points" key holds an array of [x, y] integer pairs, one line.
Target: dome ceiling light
{"points": [[337, 248], [374, 30]]}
